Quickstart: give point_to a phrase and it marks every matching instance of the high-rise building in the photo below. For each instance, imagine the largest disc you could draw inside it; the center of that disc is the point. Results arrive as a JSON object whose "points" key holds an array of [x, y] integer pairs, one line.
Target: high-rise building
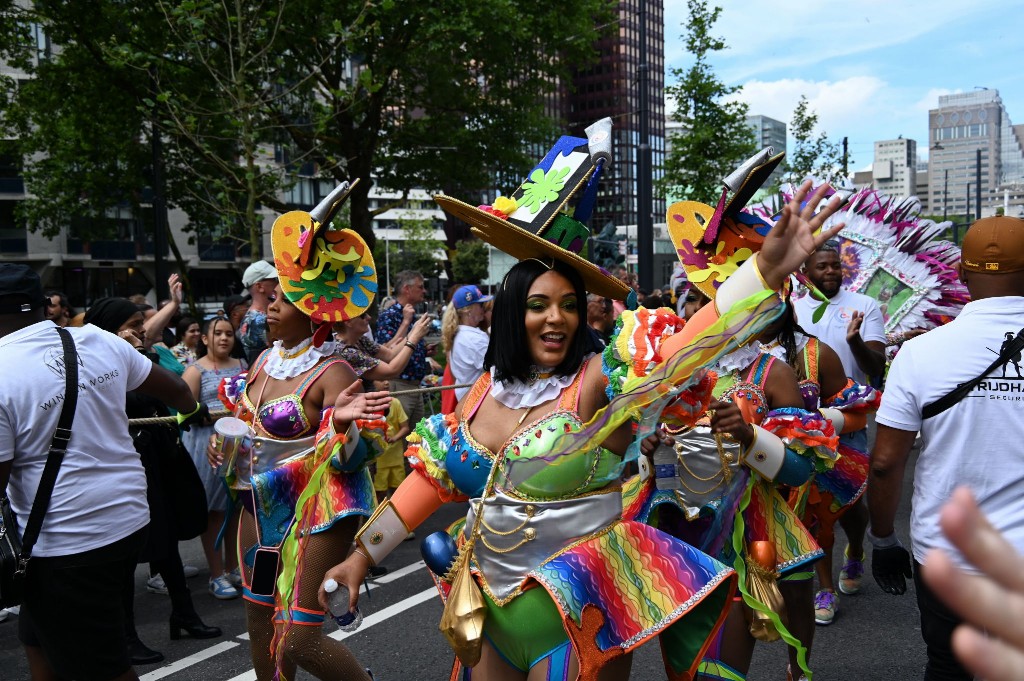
{"points": [[958, 129], [609, 88], [769, 132], [894, 171]]}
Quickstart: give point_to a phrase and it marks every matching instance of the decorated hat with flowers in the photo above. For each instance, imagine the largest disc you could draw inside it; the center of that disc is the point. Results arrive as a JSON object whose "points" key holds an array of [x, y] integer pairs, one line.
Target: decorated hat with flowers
{"points": [[327, 273], [712, 242], [546, 216]]}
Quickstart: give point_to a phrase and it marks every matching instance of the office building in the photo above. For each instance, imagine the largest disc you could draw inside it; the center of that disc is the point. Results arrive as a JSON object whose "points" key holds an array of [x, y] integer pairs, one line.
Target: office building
{"points": [[894, 170], [609, 87], [769, 132], [961, 126]]}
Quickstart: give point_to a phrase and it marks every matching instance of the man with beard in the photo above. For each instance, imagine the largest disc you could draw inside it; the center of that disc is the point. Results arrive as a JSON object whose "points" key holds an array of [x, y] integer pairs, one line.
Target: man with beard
{"points": [[853, 326]]}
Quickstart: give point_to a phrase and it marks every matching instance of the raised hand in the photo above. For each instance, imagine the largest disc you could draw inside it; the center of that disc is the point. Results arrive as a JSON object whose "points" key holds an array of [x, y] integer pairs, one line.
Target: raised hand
{"points": [[353, 404], [420, 329], [174, 285], [853, 328], [792, 240]]}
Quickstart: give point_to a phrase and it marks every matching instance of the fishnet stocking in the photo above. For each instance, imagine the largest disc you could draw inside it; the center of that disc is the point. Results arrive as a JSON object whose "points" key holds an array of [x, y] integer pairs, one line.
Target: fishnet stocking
{"points": [[305, 646]]}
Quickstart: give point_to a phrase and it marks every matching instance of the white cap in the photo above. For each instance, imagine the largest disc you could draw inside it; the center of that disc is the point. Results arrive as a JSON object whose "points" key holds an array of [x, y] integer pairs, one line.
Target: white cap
{"points": [[258, 271]]}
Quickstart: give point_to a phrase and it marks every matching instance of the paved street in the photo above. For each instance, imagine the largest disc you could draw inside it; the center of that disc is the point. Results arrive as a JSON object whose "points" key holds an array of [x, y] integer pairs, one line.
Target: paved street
{"points": [[875, 636]]}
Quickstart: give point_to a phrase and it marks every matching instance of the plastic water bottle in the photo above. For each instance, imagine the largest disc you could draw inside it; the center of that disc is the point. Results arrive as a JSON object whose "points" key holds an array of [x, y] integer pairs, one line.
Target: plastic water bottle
{"points": [[337, 604]]}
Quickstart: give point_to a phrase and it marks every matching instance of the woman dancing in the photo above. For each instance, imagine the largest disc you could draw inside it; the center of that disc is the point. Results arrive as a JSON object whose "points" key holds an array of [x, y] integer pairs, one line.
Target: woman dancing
{"points": [[301, 504], [571, 588]]}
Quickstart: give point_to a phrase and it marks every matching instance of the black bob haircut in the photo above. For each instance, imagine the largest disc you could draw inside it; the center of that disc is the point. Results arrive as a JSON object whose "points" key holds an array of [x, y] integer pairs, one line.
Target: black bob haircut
{"points": [[508, 352]]}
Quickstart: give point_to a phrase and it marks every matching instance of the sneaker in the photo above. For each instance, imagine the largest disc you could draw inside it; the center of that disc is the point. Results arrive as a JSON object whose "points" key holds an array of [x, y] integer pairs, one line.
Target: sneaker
{"points": [[235, 577], [376, 571], [190, 571], [155, 585], [851, 574], [410, 536], [825, 606], [222, 589], [3, 614]]}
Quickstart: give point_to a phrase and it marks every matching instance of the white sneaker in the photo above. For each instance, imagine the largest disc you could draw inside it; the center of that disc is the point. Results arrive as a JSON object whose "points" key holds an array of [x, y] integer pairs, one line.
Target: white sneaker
{"points": [[221, 588], [190, 571], [235, 577], [155, 585]]}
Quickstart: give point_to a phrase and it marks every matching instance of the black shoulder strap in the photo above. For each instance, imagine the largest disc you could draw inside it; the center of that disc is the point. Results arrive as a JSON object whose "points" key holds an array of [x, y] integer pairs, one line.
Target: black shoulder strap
{"points": [[946, 401], [58, 445]]}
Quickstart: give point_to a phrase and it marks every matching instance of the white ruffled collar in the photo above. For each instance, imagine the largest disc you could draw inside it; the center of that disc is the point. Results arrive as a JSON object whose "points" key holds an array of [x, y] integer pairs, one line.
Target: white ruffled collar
{"points": [[738, 359], [776, 350], [283, 364], [516, 394]]}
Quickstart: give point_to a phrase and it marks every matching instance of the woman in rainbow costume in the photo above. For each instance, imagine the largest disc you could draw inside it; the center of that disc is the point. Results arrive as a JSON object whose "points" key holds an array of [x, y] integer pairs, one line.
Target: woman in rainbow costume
{"points": [[699, 491], [570, 588], [303, 485]]}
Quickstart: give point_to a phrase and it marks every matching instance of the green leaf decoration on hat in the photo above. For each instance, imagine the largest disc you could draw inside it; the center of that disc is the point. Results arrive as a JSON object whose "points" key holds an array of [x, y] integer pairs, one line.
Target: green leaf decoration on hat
{"points": [[542, 188]]}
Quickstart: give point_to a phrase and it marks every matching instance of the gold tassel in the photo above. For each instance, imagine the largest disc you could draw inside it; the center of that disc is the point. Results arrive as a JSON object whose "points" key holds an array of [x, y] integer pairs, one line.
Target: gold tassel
{"points": [[761, 584]]}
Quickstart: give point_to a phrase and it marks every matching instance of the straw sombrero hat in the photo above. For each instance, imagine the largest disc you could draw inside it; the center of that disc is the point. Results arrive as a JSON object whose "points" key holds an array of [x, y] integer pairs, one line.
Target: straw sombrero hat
{"points": [[327, 273], [536, 222], [713, 242]]}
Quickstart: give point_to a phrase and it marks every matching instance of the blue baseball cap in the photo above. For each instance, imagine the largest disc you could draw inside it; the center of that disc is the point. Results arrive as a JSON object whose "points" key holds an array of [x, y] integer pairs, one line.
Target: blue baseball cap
{"points": [[467, 295]]}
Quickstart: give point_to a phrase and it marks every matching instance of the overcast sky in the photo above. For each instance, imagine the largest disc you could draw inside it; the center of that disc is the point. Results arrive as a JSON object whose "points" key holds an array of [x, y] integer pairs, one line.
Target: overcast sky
{"points": [[870, 69]]}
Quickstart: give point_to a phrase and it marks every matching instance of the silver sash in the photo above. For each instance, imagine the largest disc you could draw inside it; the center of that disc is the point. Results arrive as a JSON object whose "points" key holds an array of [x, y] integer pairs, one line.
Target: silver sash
{"points": [[695, 469], [518, 536], [267, 454]]}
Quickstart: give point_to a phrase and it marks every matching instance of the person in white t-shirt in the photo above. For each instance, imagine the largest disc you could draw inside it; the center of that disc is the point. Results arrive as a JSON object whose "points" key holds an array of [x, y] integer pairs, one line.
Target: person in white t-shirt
{"points": [[853, 326], [978, 442], [467, 344], [72, 621]]}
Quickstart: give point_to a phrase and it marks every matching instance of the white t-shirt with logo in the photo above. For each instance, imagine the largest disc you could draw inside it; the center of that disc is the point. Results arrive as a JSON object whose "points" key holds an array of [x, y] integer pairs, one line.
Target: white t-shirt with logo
{"points": [[100, 493], [979, 442], [831, 328]]}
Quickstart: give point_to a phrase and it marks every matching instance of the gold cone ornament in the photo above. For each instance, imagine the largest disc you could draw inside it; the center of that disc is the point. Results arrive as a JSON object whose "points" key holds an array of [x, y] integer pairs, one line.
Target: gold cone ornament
{"points": [[462, 621], [762, 585]]}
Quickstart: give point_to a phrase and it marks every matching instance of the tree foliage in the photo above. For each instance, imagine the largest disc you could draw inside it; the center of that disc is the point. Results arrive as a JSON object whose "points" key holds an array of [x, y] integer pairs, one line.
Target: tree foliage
{"points": [[715, 137], [469, 262], [420, 251], [813, 153], [252, 97]]}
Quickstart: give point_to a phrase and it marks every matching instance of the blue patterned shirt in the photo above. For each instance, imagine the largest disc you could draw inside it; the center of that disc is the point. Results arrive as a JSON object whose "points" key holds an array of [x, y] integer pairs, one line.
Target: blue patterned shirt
{"points": [[387, 326]]}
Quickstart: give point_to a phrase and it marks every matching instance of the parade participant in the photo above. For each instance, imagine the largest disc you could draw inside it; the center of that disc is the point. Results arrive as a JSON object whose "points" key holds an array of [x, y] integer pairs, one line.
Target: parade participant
{"points": [[391, 464], [939, 382], [736, 515], [820, 502], [853, 326], [464, 342], [204, 378], [302, 505], [571, 588], [166, 468], [84, 558]]}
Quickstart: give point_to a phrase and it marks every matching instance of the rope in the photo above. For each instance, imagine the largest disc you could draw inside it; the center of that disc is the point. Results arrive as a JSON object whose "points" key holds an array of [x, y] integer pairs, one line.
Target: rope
{"points": [[172, 420]]}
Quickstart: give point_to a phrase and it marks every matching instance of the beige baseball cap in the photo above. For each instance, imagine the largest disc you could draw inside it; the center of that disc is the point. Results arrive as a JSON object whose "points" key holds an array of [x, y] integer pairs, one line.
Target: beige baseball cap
{"points": [[994, 246]]}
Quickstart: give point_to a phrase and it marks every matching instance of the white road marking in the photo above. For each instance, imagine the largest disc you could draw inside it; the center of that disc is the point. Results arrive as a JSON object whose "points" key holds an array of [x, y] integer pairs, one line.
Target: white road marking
{"points": [[185, 662], [369, 621]]}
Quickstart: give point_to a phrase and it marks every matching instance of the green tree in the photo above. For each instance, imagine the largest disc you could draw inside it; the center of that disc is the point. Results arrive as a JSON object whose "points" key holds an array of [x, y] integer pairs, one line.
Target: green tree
{"points": [[439, 95], [469, 262], [715, 137], [813, 153]]}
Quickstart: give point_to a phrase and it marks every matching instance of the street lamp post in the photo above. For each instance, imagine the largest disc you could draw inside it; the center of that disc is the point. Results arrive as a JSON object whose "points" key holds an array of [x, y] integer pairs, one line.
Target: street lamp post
{"points": [[945, 189]]}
